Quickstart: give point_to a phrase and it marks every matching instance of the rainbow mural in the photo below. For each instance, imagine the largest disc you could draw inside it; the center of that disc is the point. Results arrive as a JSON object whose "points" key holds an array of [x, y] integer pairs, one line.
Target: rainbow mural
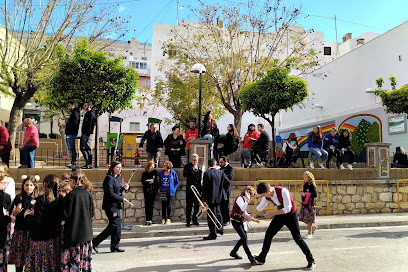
{"points": [[325, 129]]}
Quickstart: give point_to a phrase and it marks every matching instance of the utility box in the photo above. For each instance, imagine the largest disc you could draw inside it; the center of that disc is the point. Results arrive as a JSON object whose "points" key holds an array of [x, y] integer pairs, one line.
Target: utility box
{"points": [[378, 156]]}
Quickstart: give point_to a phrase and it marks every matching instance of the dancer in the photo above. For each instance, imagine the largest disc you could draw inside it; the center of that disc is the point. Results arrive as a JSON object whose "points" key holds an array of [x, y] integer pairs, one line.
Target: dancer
{"points": [[238, 215], [285, 215], [308, 209], [20, 241]]}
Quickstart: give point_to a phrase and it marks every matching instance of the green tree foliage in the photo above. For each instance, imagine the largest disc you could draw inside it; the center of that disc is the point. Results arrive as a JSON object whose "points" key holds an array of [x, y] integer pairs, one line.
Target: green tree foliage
{"points": [[87, 74], [395, 100], [360, 136], [276, 91], [238, 43], [373, 133], [178, 94], [30, 32]]}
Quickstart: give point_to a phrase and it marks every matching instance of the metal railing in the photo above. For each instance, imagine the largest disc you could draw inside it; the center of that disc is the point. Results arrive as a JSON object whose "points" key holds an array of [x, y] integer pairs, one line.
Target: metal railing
{"points": [[294, 187], [405, 181]]}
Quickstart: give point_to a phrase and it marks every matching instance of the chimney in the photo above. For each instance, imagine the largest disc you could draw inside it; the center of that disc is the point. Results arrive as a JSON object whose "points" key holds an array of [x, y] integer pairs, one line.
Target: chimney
{"points": [[360, 41], [347, 37]]}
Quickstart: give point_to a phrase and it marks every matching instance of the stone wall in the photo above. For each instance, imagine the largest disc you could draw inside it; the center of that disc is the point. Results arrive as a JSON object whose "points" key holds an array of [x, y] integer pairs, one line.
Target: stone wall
{"points": [[350, 192]]}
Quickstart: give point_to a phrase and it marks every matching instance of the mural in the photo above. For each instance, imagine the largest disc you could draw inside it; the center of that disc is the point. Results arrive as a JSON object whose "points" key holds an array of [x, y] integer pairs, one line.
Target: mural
{"points": [[364, 128]]}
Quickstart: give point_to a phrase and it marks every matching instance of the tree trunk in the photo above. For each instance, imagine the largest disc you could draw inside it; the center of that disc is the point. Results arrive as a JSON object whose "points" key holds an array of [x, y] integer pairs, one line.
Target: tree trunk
{"points": [[64, 148], [15, 120], [238, 120], [272, 123], [96, 142]]}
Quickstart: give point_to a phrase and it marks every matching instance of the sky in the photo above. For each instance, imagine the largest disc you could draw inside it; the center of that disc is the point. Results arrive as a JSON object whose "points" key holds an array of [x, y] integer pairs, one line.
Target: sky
{"points": [[353, 16]]}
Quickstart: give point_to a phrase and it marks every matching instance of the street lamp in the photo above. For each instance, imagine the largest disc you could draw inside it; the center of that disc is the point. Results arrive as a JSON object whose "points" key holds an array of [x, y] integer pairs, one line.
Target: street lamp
{"points": [[198, 68]]}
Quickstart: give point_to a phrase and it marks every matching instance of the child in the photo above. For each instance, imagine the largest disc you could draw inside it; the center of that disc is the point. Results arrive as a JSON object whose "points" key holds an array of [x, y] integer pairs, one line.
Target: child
{"points": [[5, 219], [20, 240], [45, 228], [238, 215], [65, 178], [308, 209]]}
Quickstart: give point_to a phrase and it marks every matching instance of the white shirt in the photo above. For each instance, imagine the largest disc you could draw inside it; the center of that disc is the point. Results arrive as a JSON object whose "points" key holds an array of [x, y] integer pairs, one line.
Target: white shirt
{"points": [[287, 204], [286, 144], [10, 187], [242, 204]]}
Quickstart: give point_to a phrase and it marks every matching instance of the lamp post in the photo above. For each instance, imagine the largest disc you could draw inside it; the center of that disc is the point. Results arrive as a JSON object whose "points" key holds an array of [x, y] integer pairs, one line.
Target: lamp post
{"points": [[199, 69]]}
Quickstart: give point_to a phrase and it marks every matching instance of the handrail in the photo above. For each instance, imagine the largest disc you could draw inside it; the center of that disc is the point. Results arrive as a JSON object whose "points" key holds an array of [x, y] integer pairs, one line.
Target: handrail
{"points": [[296, 193], [398, 192]]}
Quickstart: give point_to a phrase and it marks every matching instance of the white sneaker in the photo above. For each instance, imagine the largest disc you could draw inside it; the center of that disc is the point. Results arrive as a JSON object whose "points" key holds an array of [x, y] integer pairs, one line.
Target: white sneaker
{"points": [[308, 236], [312, 165], [322, 165], [342, 167], [350, 166]]}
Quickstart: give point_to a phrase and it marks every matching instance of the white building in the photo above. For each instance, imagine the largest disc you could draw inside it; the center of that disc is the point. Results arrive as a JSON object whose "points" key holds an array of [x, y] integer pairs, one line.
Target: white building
{"points": [[344, 98]]}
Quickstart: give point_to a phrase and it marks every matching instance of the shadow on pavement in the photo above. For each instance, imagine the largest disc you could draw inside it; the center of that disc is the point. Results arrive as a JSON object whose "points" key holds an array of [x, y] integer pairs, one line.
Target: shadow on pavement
{"points": [[388, 235]]}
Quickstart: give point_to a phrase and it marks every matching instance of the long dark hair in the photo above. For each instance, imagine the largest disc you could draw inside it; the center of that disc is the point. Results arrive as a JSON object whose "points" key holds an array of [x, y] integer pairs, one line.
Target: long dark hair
{"points": [[233, 131], [113, 165], [51, 187], [348, 138], [316, 137]]}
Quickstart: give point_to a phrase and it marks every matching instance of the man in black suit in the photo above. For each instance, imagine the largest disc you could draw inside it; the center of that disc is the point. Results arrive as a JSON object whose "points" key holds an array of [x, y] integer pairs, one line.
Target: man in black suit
{"points": [[229, 172], [214, 182], [193, 172]]}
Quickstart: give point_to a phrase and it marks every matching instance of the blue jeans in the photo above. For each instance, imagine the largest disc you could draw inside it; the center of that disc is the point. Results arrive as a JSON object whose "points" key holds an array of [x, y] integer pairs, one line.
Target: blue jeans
{"points": [[27, 155], [315, 154], [211, 139], [70, 139]]}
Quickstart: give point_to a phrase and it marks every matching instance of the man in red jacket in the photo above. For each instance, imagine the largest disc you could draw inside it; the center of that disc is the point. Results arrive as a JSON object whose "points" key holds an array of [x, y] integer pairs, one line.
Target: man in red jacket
{"points": [[191, 133], [5, 145]]}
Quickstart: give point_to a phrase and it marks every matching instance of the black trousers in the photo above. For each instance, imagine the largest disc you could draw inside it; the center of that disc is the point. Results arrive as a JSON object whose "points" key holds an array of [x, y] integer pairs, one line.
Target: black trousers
{"points": [[225, 210], [5, 158], [149, 203], [216, 209], [350, 156], [191, 201], [332, 153], [113, 229], [256, 151], [166, 207], [175, 160], [239, 228], [85, 147], [291, 221]]}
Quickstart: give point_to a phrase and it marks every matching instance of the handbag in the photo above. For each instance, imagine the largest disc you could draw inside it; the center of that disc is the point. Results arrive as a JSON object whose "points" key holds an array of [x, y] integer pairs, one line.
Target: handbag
{"points": [[163, 195]]}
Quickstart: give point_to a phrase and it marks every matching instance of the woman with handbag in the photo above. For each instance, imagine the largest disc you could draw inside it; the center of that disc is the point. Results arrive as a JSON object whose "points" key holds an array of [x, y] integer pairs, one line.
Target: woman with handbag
{"points": [[150, 180], [167, 189]]}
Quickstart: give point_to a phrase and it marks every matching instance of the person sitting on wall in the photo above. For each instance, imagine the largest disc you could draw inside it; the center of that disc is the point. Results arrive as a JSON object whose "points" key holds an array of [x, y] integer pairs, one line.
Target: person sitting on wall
{"points": [[330, 143], [345, 147], [230, 143], [400, 158], [249, 140], [289, 150], [261, 145], [315, 143]]}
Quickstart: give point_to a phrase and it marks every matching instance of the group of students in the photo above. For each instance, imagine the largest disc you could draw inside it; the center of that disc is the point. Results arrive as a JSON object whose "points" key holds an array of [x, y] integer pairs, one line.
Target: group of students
{"points": [[51, 231], [284, 215]]}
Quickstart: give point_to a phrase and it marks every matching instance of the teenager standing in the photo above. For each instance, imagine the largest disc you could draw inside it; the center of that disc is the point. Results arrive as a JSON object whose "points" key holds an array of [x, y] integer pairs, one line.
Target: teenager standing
{"points": [[308, 209]]}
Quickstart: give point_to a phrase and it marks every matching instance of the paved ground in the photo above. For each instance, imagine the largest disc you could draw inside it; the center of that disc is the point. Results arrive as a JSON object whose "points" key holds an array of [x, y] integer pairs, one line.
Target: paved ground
{"points": [[382, 249]]}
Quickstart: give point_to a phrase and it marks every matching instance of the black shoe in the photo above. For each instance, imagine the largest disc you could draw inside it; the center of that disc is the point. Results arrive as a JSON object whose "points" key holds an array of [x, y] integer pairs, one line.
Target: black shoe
{"points": [[220, 232], [117, 250], [311, 265], [260, 259], [254, 262], [95, 247], [147, 223], [196, 223], [84, 167], [188, 225], [235, 255], [90, 166], [209, 237]]}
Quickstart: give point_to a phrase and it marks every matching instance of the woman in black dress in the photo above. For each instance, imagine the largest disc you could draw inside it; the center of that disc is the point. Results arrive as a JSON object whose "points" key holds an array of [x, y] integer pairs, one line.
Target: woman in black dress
{"points": [[150, 181]]}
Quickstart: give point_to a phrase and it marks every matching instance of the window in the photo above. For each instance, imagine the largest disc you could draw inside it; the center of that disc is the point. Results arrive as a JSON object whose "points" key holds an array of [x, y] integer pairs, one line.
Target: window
{"points": [[144, 56], [147, 83], [134, 126], [138, 65], [327, 51]]}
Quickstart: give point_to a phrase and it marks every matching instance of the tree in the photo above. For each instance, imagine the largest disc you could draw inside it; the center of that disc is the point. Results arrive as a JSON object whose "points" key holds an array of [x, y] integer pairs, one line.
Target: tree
{"points": [[32, 30], [276, 91], [237, 43], [395, 100], [87, 74], [178, 93]]}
